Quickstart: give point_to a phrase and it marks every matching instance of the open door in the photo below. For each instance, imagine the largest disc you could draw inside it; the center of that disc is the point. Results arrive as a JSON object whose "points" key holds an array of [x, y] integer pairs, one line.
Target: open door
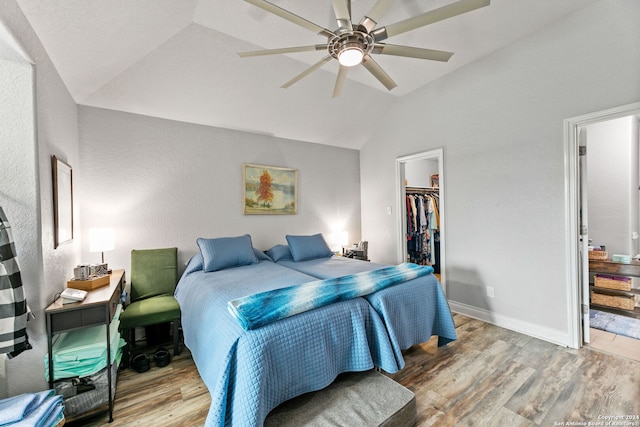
{"points": [[577, 237], [584, 233]]}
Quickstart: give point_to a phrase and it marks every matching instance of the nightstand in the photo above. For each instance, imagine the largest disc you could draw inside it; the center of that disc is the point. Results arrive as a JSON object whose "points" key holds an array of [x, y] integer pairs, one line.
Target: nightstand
{"points": [[98, 308]]}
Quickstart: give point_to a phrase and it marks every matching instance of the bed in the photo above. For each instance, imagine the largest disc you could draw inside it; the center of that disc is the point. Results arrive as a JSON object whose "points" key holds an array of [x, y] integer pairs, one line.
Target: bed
{"points": [[413, 311], [250, 372]]}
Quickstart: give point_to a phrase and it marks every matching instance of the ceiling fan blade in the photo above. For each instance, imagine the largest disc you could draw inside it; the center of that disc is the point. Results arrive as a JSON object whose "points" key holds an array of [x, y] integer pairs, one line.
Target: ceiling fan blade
{"points": [[342, 77], [276, 10], [283, 50], [442, 13], [370, 20], [308, 71], [412, 52], [378, 72], [342, 9]]}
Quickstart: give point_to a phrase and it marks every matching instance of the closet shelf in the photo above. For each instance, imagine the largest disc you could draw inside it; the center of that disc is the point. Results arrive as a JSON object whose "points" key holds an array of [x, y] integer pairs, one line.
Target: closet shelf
{"points": [[421, 189]]}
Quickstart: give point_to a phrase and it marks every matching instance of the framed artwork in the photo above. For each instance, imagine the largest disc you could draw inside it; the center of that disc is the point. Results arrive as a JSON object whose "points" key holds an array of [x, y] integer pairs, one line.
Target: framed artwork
{"points": [[62, 202], [269, 190]]}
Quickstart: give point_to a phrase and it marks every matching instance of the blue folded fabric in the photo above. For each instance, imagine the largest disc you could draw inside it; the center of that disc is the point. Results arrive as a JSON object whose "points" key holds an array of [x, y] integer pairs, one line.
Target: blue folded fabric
{"points": [[259, 309], [42, 409], [48, 414]]}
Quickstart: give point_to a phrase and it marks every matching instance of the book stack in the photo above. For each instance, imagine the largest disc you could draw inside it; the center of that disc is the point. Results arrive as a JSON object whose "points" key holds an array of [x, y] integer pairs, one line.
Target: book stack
{"points": [[70, 295]]}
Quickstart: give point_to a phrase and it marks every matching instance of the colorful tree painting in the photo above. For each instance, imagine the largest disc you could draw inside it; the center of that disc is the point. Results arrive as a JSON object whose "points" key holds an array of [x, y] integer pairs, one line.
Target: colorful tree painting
{"points": [[270, 190], [265, 195]]}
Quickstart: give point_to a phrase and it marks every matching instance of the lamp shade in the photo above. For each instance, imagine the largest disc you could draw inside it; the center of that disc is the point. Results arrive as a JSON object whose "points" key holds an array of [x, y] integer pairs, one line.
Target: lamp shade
{"points": [[337, 240], [101, 239]]}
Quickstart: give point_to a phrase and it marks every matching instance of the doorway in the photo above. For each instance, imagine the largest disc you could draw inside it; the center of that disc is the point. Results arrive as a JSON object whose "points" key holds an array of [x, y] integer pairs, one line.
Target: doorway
{"points": [[576, 135], [422, 172]]}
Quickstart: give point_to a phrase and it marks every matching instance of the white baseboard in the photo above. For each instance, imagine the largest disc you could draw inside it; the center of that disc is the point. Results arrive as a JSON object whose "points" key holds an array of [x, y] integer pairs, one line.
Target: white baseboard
{"points": [[546, 334]]}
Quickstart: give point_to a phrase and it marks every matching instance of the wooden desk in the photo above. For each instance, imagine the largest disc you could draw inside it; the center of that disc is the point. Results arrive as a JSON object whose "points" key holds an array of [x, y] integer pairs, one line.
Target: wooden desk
{"points": [[97, 308], [614, 268]]}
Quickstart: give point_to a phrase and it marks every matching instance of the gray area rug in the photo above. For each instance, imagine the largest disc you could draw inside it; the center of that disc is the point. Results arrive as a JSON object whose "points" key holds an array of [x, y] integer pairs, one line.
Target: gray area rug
{"points": [[354, 399], [614, 323]]}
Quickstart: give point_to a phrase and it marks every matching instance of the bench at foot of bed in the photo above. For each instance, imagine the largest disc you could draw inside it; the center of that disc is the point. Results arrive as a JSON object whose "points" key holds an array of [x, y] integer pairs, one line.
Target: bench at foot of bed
{"points": [[353, 399]]}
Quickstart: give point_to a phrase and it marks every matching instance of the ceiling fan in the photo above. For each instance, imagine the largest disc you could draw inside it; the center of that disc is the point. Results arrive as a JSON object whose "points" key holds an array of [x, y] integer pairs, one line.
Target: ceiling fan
{"points": [[352, 44]]}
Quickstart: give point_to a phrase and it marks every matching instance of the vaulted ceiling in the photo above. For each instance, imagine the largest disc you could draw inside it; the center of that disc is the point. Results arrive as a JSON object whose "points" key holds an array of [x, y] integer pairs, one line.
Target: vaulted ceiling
{"points": [[177, 59]]}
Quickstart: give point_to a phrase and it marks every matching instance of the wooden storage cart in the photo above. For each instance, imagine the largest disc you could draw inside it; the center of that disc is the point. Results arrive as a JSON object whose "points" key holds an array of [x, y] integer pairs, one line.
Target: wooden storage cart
{"points": [[612, 290]]}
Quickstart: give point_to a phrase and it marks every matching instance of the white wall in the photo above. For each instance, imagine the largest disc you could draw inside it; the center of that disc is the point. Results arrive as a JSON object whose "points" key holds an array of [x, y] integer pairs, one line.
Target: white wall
{"points": [[28, 139], [500, 121], [612, 168], [164, 183]]}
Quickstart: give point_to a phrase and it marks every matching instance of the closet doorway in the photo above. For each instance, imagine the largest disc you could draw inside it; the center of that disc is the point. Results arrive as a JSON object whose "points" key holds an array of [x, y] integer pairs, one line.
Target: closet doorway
{"points": [[421, 176]]}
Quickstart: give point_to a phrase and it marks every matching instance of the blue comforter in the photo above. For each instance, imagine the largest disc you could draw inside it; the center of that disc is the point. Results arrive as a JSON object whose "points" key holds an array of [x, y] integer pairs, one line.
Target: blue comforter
{"points": [[412, 311], [248, 373]]}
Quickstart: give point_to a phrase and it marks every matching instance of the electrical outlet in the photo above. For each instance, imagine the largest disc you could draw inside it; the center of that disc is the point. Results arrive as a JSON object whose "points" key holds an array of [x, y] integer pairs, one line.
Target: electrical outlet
{"points": [[388, 210], [490, 292]]}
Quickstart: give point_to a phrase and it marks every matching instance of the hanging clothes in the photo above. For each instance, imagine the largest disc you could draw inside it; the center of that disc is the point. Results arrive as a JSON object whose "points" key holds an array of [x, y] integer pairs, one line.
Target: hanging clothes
{"points": [[14, 312], [423, 227]]}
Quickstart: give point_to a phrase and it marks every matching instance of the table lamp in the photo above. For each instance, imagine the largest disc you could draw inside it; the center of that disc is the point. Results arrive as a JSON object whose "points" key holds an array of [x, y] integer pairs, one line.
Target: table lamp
{"points": [[101, 240], [337, 240]]}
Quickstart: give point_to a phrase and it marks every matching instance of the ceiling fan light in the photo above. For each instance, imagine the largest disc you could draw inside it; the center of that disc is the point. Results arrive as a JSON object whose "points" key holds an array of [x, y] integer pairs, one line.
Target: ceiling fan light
{"points": [[350, 56]]}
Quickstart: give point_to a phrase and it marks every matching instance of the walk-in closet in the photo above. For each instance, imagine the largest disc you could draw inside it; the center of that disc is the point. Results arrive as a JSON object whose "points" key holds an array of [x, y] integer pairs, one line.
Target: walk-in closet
{"points": [[421, 202]]}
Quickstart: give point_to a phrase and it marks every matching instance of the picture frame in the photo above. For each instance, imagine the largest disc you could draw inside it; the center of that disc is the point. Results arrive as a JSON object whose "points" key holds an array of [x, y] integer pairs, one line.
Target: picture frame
{"points": [[269, 190], [62, 202]]}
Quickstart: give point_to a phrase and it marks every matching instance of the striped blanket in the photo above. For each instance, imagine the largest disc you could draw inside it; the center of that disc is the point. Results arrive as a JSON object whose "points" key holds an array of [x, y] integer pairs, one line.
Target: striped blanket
{"points": [[259, 309], [14, 311]]}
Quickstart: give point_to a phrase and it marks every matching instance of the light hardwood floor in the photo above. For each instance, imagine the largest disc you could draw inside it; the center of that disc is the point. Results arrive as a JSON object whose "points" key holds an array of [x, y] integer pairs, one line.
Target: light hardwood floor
{"points": [[615, 344], [495, 377], [489, 377]]}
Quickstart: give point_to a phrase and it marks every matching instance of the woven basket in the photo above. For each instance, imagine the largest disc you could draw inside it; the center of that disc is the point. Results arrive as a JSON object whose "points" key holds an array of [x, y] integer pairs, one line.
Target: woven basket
{"points": [[613, 282], [621, 302], [600, 255]]}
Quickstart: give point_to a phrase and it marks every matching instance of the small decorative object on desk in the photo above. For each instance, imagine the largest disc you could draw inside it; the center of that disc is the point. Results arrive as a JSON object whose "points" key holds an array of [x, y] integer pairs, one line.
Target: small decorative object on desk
{"points": [[99, 269], [81, 272]]}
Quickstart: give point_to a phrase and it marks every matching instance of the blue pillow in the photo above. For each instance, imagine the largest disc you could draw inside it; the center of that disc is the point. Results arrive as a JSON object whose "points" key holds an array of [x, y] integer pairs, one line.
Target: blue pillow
{"points": [[308, 247], [279, 252], [196, 263], [226, 252], [261, 256]]}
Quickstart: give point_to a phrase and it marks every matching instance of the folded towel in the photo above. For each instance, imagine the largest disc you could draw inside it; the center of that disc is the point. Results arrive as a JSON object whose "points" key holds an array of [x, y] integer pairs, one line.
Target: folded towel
{"points": [[48, 414], [42, 409], [259, 309]]}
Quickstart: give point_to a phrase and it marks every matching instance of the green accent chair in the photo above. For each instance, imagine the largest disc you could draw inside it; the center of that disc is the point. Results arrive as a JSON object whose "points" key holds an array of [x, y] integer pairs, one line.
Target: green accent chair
{"points": [[154, 276]]}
